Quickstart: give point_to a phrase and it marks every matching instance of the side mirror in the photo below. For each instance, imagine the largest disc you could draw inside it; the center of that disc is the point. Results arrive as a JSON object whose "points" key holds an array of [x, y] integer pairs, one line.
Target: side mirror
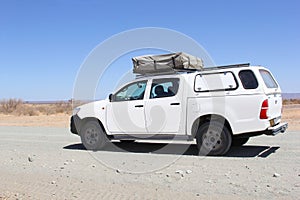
{"points": [[111, 97]]}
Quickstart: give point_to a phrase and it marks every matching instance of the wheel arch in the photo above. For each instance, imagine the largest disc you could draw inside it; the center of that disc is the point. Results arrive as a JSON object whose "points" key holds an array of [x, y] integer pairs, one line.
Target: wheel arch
{"points": [[88, 119], [206, 118]]}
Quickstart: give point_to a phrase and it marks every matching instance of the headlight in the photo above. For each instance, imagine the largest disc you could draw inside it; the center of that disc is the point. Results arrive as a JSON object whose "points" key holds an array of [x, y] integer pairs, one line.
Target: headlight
{"points": [[75, 111]]}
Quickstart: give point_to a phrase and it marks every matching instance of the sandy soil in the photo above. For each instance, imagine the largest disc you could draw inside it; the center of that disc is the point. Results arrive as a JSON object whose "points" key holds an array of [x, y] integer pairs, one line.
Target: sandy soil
{"points": [[291, 114], [58, 120], [41, 159], [50, 163]]}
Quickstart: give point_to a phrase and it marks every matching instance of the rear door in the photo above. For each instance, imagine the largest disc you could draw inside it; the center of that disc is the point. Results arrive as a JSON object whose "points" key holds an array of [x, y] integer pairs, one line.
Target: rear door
{"points": [[163, 109], [273, 91]]}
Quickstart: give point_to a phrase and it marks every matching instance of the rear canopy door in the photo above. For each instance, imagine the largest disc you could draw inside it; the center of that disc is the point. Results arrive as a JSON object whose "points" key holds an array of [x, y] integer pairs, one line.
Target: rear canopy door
{"points": [[273, 91]]}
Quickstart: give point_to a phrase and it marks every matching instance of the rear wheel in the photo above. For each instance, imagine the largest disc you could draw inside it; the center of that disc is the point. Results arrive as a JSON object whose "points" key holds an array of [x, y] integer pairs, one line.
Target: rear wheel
{"points": [[93, 136], [239, 141], [213, 138]]}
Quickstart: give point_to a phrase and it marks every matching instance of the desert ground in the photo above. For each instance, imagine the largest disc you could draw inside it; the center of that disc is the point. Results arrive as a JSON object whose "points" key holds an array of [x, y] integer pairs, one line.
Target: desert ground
{"points": [[291, 114], [41, 159]]}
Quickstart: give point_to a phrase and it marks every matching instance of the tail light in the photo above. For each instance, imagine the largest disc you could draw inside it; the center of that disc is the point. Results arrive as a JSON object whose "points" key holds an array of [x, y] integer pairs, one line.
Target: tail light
{"points": [[264, 110]]}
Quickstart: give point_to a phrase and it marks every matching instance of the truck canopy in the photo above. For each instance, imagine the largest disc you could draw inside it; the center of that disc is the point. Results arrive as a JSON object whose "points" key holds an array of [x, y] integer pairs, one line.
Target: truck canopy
{"points": [[165, 63]]}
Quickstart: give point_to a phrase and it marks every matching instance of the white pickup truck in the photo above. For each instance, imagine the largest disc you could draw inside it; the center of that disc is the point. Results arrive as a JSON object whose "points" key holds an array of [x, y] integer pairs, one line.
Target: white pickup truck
{"points": [[218, 107]]}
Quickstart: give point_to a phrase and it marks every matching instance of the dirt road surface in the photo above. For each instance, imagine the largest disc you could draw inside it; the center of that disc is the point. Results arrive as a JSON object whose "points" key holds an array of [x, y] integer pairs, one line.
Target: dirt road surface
{"points": [[50, 163]]}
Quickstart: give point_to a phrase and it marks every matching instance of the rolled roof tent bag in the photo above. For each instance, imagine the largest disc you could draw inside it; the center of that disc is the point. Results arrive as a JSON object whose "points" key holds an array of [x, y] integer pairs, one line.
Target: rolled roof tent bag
{"points": [[166, 63]]}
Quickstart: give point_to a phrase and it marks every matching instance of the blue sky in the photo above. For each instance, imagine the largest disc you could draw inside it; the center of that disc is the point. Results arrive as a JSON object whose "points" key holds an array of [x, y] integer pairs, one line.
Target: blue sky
{"points": [[43, 43]]}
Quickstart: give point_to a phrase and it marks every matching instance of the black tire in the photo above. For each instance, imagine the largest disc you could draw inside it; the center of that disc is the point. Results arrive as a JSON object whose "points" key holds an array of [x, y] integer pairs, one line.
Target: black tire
{"points": [[213, 138], [93, 136], [239, 141]]}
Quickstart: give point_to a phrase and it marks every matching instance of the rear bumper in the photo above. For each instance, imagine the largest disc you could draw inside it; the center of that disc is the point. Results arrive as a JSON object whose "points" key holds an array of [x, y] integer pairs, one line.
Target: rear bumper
{"points": [[280, 128], [274, 130]]}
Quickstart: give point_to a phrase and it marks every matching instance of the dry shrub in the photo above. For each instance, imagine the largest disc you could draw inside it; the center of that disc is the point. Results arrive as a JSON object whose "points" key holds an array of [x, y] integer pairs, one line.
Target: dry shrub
{"points": [[45, 109], [26, 110], [8, 106], [291, 101], [17, 107], [63, 107], [56, 108]]}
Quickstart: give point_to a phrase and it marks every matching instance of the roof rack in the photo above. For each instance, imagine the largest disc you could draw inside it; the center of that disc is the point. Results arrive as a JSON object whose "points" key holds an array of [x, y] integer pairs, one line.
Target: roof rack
{"points": [[166, 72], [177, 71], [227, 66]]}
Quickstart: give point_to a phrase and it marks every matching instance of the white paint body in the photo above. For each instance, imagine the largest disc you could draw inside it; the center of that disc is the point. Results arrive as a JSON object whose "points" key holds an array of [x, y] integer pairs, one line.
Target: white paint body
{"points": [[176, 114]]}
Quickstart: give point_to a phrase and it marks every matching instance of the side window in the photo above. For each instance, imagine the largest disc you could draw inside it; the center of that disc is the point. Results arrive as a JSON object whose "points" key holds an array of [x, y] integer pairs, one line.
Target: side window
{"points": [[215, 82], [248, 79], [167, 87], [133, 91], [268, 79]]}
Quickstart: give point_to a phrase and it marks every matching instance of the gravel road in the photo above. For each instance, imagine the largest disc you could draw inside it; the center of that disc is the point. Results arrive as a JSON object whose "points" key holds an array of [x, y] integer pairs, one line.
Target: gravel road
{"points": [[50, 163]]}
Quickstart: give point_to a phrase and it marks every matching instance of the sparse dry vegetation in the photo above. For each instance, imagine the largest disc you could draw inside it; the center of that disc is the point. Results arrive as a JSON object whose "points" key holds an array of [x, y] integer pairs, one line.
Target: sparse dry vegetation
{"points": [[10, 105], [291, 101], [19, 108]]}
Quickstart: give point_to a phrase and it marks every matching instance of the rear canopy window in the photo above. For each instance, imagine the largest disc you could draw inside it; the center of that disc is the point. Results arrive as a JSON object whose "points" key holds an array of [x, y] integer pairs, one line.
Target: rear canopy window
{"points": [[268, 79], [215, 82], [248, 79]]}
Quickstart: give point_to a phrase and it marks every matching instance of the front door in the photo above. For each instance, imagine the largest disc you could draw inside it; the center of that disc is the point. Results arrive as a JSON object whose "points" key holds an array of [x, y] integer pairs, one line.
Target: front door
{"points": [[125, 113]]}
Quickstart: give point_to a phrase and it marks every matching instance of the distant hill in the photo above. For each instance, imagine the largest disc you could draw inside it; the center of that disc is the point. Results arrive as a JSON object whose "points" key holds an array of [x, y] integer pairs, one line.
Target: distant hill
{"points": [[291, 95]]}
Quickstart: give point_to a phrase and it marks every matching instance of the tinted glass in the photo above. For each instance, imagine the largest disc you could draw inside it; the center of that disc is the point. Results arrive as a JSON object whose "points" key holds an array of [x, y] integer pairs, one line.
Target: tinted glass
{"points": [[248, 79], [164, 87]]}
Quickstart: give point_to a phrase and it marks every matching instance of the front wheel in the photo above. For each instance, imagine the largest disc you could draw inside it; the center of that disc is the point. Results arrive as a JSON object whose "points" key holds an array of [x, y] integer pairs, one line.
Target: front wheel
{"points": [[213, 138], [93, 136]]}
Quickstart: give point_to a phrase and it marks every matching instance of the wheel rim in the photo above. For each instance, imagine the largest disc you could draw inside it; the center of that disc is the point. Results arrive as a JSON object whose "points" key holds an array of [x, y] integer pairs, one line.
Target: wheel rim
{"points": [[91, 136], [212, 140]]}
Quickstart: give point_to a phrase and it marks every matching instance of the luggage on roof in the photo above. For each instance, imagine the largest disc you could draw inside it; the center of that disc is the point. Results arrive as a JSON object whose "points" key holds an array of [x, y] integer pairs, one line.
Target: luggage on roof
{"points": [[165, 63]]}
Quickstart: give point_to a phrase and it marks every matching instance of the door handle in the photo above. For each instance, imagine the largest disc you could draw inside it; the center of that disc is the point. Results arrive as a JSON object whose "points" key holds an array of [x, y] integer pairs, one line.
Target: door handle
{"points": [[174, 104], [139, 106]]}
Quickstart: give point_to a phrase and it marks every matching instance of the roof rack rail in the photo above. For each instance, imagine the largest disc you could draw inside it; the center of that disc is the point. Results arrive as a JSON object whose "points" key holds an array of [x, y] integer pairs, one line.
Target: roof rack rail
{"points": [[227, 66], [166, 72]]}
